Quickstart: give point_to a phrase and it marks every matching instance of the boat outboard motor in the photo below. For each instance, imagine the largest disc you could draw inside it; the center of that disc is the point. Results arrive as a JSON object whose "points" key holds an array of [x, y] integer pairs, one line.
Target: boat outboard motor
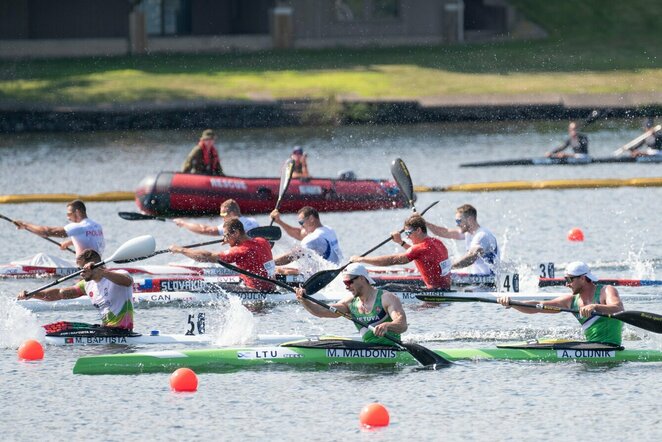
{"points": [[347, 175]]}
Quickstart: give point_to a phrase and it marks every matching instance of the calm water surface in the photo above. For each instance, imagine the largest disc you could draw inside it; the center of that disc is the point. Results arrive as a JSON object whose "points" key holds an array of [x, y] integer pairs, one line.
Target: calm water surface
{"points": [[468, 401]]}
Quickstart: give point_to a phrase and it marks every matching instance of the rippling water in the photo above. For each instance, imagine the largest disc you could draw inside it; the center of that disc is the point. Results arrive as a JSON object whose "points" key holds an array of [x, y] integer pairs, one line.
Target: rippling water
{"points": [[474, 401]]}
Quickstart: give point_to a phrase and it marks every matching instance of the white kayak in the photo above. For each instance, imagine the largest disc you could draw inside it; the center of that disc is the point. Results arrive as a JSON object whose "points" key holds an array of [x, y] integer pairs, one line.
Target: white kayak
{"points": [[158, 338], [185, 298]]}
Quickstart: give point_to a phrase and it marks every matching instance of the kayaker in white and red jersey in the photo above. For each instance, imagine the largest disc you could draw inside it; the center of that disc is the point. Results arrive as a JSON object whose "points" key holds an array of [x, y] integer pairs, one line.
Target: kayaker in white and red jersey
{"points": [[229, 209], [482, 250], [314, 236], [83, 232], [428, 254], [110, 291], [586, 297], [379, 308], [577, 141], [251, 254]]}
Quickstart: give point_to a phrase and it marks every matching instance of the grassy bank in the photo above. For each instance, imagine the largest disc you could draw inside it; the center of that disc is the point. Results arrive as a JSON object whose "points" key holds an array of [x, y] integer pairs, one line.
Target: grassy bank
{"points": [[594, 47]]}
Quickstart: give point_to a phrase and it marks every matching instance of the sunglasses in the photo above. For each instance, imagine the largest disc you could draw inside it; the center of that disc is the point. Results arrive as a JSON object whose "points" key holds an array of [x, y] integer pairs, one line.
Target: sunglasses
{"points": [[569, 279], [348, 282], [302, 221], [458, 221], [224, 214], [408, 232]]}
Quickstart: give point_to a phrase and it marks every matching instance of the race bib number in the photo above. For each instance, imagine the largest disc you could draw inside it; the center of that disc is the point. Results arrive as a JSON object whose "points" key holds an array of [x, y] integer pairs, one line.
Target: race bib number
{"points": [[445, 266], [547, 270], [508, 282], [270, 267]]}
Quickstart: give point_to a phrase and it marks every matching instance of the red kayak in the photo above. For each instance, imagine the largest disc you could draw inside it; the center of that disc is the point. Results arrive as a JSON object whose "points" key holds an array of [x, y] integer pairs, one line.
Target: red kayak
{"points": [[181, 194]]}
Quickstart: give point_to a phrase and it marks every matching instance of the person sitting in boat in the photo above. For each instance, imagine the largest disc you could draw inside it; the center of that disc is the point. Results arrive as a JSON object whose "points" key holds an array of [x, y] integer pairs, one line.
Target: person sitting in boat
{"points": [[314, 236], [83, 232], [577, 141], [428, 254], [111, 291], [652, 143], [379, 308], [203, 158], [482, 250], [229, 209], [251, 254], [587, 297], [300, 163]]}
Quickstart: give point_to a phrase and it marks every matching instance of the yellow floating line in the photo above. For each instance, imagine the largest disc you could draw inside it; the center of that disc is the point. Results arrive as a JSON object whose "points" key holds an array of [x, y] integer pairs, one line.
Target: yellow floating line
{"points": [[551, 184], [66, 197]]}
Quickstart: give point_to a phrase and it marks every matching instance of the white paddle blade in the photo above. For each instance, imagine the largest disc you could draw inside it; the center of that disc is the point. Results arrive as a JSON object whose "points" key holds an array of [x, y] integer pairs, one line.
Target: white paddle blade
{"points": [[134, 248]]}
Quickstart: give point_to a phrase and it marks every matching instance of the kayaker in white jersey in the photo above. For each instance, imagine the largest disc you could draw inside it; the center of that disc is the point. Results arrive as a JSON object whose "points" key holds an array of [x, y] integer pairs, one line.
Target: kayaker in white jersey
{"points": [[83, 232], [314, 237], [482, 250], [110, 291], [229, 209]]}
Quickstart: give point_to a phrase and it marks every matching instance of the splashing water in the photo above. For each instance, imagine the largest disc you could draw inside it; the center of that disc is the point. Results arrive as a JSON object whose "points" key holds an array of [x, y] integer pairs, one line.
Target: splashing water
{"points": [[235, 324], [18, 324]]}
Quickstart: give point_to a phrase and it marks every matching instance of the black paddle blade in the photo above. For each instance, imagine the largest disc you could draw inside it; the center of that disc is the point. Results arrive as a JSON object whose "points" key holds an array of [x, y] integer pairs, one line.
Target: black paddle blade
{"points": [[425, 356], [271, 233], [646, 320], [403, 179], [320, 280], [134, 216]]}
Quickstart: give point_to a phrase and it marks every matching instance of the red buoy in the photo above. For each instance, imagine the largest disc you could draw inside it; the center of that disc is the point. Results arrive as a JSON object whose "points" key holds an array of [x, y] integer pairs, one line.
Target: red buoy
{"points": [[374, 415], [31, 350], [575, 234], [184, 379]]}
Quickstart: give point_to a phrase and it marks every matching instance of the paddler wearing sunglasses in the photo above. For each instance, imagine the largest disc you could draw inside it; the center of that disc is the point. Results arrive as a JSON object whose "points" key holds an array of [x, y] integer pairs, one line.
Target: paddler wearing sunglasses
{"points": [[587, 297], [375, 307]]}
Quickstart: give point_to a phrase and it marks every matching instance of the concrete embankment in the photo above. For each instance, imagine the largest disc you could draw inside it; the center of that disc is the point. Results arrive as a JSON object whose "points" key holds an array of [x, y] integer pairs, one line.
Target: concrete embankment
{"points": [[277, 113]]}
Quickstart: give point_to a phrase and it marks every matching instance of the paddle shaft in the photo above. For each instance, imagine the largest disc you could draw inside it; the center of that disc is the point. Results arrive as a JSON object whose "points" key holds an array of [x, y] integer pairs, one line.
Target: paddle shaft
{"points": [[59, 280], [645, 320], [289, 171], [636, 141], [135, 216], [45, 237]]}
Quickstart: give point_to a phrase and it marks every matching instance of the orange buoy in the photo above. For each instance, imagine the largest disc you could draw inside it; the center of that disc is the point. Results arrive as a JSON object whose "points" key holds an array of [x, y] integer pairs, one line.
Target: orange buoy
{"points": [[184, 379], [31, 350], [374, 415], [575, 234]]}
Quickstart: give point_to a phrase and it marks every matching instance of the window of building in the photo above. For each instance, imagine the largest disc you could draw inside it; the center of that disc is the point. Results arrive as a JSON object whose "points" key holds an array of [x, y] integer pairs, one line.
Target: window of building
{"points": [[167, 17], [365, 10]]}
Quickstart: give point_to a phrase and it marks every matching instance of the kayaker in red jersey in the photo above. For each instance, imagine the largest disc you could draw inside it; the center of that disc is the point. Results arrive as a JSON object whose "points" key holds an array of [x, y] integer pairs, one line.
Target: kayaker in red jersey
{"points": [[586, 297], [251, 254], [300, 163], [428, 254], [203, 158]]}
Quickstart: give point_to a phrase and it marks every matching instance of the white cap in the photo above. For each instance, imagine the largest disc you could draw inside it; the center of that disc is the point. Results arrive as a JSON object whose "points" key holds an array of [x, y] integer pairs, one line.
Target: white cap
{"points": [[356, 269], [579, 268]]}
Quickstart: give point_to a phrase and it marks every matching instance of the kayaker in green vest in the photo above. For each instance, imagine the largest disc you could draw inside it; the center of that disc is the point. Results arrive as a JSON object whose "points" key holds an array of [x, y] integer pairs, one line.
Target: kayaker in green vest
{"points": [[378, 308], [587, 297]]}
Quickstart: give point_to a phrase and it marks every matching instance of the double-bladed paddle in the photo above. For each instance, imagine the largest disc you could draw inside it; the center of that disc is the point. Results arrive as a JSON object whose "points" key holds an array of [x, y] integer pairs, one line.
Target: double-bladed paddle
{"points": [[425, 356], [648, 321], [629, 146], [135, 216], [271, 233], [45, 237], [402, 177], [133, 248], [285, 178]]}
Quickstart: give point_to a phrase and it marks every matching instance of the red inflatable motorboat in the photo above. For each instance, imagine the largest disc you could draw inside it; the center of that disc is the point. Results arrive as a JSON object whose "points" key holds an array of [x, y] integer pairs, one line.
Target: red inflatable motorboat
{"points": [[181, 194]]}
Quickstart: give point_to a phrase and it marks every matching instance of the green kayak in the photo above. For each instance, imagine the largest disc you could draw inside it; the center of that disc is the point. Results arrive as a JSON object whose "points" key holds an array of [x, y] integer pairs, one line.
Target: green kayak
{"points": [[325, 352]]}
